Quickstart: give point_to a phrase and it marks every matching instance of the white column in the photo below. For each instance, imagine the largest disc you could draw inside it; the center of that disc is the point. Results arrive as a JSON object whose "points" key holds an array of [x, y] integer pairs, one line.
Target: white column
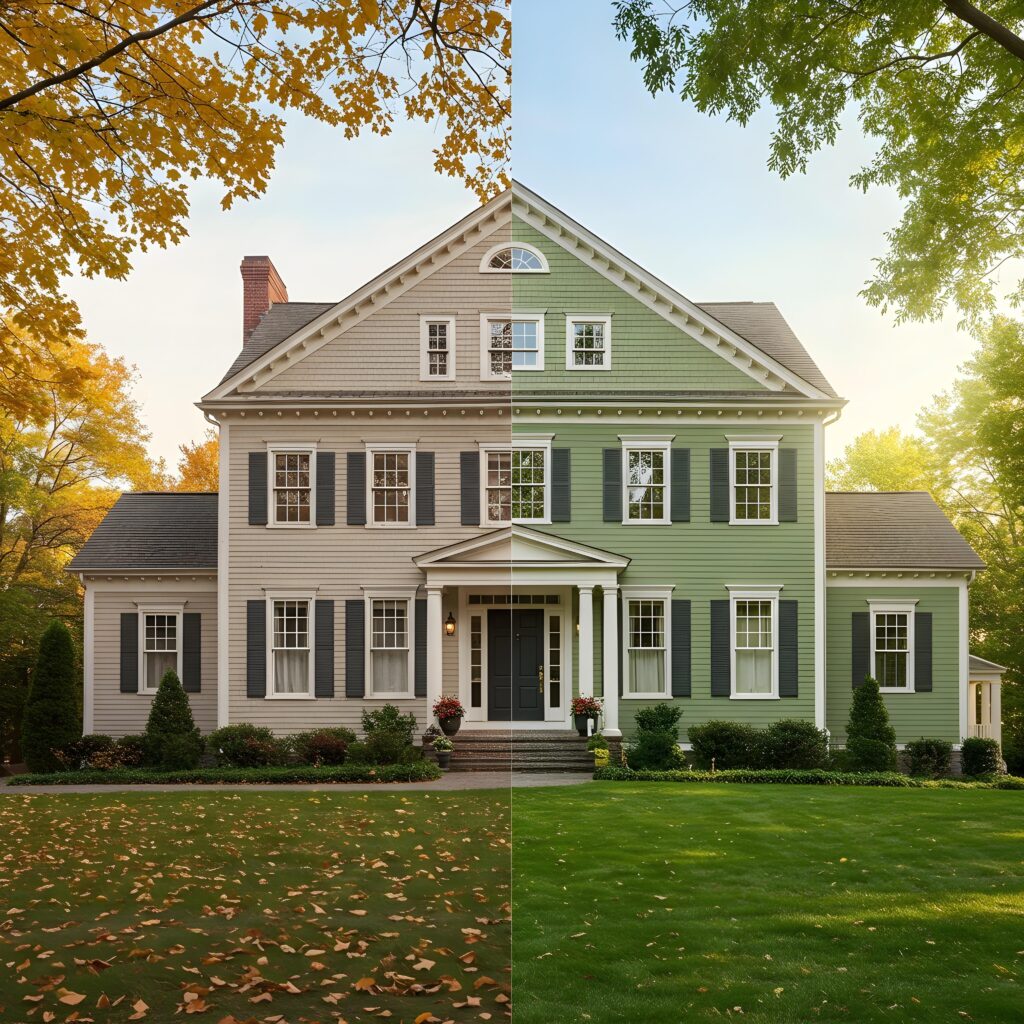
{"points": [[586, 641], [88, 663], [610, 668], [996, 699], [972, 709], [435, 628]]}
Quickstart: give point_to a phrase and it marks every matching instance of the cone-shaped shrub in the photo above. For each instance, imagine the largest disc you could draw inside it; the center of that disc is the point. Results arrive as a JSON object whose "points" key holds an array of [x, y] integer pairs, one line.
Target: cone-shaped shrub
{"points": [[870, 739], [51, 719], [172, 740]]}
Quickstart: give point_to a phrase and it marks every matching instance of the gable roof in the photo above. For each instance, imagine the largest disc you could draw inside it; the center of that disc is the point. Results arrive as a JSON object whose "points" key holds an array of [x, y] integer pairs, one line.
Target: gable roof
{"points": [[978, 664], [151, 530], [892, 530]]}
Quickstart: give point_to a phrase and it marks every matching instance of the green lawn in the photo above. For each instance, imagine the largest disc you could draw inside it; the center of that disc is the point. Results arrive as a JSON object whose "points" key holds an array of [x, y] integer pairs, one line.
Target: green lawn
{"points": [[659, 902], [284, 907]]}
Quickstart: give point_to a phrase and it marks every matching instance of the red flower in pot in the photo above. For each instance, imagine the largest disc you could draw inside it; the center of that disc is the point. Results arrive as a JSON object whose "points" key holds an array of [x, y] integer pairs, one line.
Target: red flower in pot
{"points": [[449, 713], [584, 709]]}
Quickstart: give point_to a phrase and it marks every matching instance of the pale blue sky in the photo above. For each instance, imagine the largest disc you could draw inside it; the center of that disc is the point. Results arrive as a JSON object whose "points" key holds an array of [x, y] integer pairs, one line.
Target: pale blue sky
{"points": [[685, 196]]}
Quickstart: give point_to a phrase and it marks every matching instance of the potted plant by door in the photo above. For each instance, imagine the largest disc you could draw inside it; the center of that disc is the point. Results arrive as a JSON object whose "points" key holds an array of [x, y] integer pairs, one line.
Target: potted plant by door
{"points": [[449, 713], [584, 709], [443, 747]]}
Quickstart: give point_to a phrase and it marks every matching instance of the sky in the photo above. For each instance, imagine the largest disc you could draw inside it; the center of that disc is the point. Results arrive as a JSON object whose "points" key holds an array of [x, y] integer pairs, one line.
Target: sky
{"points": [[686, 196]]}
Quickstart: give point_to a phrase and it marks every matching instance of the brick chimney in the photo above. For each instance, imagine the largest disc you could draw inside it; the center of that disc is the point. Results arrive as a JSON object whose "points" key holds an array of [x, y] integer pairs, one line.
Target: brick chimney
{"points": [[261, 288]]}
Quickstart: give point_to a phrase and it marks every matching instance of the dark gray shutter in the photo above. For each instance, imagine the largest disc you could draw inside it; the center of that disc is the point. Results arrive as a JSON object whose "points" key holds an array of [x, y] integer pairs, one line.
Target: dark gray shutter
{"points": [[680, 486], [355, 648], [612, 485], [680, 648], [923, 652], [258, 488], [469, 474], [420, 650], [191, 652], [323, 664], [789, 652], [787, 485], [256, 648], [721, 659], [129, 652], [424, 488], [561, 485], [719, 485], [324, 488], [355, 484], [860, 647]]}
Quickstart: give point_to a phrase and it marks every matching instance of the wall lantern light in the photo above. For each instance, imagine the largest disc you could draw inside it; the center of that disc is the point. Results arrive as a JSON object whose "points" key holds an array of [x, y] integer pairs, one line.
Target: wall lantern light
{"points": [[449, 625]]}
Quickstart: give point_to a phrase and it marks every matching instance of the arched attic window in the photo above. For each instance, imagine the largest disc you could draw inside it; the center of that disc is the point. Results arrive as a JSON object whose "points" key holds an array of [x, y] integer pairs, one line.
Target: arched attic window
{"points": [[514, 259]]}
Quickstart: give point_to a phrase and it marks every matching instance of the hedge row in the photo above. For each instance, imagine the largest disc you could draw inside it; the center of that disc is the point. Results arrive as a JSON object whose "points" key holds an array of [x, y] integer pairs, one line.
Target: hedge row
{"points": [[802, 777], [416, 771]]}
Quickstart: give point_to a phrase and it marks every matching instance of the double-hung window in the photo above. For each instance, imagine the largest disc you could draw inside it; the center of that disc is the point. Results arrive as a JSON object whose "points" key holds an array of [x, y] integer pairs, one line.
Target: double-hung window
{"points": [[646, 631], [892, 645], [508, 344], [391, 485], [515, 484], [161, 647], [291, 486], [645, 479], [753, 480], [291, 673], [390, 648], [755, 626], [437, 348], [588, 342]]}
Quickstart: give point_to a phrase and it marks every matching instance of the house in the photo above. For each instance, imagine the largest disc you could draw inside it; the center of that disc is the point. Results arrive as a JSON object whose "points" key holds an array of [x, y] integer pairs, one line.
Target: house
{"points": [[515, 467]]}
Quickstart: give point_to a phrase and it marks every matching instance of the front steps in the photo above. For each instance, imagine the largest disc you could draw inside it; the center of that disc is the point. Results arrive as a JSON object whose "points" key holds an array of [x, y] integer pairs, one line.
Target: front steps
{"points": [[503, 750]]}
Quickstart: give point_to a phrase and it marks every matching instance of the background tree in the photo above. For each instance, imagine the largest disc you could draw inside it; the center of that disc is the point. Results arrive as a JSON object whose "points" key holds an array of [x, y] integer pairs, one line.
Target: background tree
{"points": [[109, 111], [199, 466], [885, 460], [52, 716], [937, 83]]}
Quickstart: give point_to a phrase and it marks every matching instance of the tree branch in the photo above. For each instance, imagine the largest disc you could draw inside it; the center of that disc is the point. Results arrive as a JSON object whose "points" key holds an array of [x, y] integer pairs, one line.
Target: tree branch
{"points": [[985, 23]]}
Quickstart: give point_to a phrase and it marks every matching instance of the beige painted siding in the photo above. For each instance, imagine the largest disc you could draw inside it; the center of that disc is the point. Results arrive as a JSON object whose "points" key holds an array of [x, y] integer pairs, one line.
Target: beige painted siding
{"points": [[122, 714], [383, 351]]}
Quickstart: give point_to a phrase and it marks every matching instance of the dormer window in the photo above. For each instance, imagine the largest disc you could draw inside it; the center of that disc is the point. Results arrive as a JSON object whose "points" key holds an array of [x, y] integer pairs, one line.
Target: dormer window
{"points": [[514, 259]]}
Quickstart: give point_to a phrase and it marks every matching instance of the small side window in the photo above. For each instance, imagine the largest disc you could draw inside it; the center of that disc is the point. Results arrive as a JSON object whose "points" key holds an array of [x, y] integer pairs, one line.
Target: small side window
{"points": [[437, 348]]}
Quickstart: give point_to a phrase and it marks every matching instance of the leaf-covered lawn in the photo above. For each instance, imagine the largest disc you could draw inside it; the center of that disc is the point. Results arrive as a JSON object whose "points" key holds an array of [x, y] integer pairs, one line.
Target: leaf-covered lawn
{"points": [[664, 902], [276, 907]]}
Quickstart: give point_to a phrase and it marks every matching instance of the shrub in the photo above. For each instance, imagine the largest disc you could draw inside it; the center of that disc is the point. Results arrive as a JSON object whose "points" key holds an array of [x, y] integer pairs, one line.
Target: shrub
{"points": [[50, 720], [980, 757], [171, 736], [131, 750], [389, 719], [659, 718], [322, 746], [1013, 753], [246, 746], [597, 742], [79, 754], [724, 744], [929, 757], [388, 737], [870, 739], [655, 751], [791, 743]]}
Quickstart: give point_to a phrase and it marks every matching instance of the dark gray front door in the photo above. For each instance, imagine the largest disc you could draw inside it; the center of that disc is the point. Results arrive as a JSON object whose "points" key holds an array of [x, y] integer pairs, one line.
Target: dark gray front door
{"points": [[515, 658]]}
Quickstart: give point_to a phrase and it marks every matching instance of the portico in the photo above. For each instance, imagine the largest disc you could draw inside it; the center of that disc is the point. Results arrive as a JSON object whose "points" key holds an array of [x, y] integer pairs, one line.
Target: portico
{"points": [[525, 603]]}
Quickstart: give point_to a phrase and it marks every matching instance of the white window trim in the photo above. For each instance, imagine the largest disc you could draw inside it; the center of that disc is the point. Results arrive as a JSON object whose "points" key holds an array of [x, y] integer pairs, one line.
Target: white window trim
{"points": [[485, 268], [663, 594], [760, 443], [177, 610], [767, 593], [535, 443], [642, 442], [572, 319], [290, 595], [407, 594], [520, 316], [273, 449], [425, 321], [908, 608], [372, 448]]}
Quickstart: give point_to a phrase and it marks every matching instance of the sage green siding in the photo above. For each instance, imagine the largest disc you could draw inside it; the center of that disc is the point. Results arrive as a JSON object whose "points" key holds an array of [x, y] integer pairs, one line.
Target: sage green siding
{"points": [[913, 715], [648, 353], [699, 558]]}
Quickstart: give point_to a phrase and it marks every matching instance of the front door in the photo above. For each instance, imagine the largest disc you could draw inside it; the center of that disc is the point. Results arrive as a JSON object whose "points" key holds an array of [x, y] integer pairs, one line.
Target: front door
{"points": [[515, 663]]}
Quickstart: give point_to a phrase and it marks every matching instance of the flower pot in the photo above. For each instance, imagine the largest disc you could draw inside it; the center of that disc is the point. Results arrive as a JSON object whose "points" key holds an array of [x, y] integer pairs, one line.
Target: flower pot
{"points": [[444, 758], [450, 726], [582, 721]]}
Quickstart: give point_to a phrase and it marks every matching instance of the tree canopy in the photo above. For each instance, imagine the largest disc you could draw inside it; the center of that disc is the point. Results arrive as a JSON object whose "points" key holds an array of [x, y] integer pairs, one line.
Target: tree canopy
{"points": [[199, 467], [936, 83]]}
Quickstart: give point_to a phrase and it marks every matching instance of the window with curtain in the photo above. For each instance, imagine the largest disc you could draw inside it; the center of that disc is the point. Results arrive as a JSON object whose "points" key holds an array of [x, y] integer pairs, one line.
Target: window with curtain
{"points": [[389, 646], [389, 483], [160, 648], [646, 647], [645, 485], [754, 647], [292, 487], [291, 648], [892, 648]]}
